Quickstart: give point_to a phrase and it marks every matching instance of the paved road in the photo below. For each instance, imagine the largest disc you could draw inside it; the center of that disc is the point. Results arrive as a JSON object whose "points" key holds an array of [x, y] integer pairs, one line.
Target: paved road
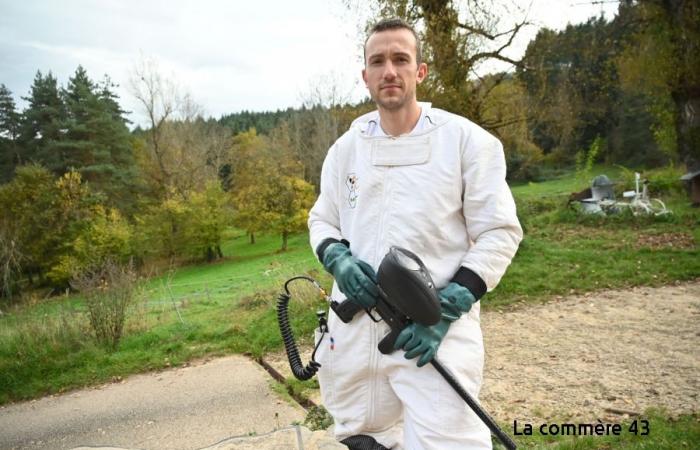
{"points": [[166, 410]]}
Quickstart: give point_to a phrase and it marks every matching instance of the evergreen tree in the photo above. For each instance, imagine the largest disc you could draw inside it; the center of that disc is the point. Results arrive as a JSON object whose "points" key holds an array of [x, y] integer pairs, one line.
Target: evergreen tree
{"points": [[97, 141], [41, 124], [9, 129], [79, 149]]}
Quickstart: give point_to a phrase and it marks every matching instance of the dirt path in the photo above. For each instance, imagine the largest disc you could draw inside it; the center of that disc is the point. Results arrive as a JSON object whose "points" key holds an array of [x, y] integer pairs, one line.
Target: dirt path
{"points": [[576, 357], [583, 356], [183, 408]]}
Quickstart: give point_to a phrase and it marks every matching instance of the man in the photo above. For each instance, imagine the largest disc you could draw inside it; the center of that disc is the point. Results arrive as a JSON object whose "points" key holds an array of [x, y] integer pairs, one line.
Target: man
{"points": [[434, 183]]}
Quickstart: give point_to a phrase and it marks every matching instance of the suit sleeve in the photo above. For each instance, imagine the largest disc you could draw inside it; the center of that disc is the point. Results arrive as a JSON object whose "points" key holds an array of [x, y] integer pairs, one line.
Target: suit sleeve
{"points": [[324, 217], [489, 212]]}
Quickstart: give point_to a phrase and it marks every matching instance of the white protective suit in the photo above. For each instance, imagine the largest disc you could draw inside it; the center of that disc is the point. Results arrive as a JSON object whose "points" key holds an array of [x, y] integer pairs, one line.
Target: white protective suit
{"points": [[441, 193]]}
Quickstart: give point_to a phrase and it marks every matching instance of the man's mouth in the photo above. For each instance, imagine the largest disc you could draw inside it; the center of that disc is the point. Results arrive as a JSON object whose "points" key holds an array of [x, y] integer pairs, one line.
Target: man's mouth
{"points": [[391, 86]]}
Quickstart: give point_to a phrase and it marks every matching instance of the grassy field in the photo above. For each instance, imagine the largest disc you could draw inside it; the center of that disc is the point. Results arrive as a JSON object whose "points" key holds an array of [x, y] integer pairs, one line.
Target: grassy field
{"points": [[195, 311], [228, 306]]}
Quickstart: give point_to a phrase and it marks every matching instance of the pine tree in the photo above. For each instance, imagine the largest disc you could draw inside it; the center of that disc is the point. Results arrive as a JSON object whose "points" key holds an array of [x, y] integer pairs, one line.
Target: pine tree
{"points": [[80, 149], [126, 181], [41, 124], [9, 130], [97, 141]]}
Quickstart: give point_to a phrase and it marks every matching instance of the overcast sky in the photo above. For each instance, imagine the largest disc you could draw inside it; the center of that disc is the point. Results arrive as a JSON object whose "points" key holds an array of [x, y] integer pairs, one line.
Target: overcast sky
{"points": [[230, 55]]}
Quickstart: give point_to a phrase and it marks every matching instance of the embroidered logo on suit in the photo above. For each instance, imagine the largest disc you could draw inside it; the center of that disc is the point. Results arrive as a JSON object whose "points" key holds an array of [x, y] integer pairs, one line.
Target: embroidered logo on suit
{"points": [[353, 187]]}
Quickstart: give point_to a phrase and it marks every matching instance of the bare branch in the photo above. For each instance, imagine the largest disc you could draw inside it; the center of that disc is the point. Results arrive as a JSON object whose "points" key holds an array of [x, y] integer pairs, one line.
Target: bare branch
{"points": [[494, 125], [496, 54]]}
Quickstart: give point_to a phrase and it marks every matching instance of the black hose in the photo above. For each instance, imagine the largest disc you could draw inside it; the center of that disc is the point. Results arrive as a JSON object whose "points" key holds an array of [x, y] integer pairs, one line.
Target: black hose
{"points": [[300, 372]]}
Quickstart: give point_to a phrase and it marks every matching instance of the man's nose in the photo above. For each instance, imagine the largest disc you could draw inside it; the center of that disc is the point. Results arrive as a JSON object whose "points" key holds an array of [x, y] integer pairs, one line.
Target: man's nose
{"points": [[389, 71]]}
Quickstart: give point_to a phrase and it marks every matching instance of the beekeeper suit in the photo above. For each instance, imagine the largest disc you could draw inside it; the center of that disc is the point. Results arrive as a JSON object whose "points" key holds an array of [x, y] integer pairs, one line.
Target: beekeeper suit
{"points": [[440, 192]]}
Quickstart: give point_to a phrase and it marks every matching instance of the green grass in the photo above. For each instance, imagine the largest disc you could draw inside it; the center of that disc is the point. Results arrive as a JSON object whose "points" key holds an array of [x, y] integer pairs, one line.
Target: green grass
{"points": [[664, 434], [564, 185], [228, 306]]}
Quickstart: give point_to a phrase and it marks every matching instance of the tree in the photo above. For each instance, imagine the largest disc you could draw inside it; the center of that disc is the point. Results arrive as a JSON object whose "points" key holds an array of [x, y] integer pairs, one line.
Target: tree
{"points": [[56, 221], [180, 152], [209, 215], [160, 229], [252, 168], [509, 100], [97, 141], [105, 237], [41, 127], [458, 38], [572, 83], [159, 97], [287, 206], [27, 202], [9, 131], [666, 55], [267, 189], [184, 228], [11, 259]]}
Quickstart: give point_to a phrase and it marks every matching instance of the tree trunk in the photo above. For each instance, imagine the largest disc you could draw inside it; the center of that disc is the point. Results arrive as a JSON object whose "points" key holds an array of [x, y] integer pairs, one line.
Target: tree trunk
{"points": [[285, 236], [688, 128], [252, 237], [683, 16], [219, 252]]}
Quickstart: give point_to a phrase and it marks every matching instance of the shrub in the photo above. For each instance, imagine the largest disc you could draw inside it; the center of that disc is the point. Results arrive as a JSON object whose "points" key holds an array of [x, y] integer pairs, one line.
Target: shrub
{"points": [[106, 235], [662, 181], [109, 290]]}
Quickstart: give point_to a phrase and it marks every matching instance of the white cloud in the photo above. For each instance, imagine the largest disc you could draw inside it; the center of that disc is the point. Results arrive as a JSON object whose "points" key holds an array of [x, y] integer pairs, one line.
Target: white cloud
{"points": [[230, 55]]}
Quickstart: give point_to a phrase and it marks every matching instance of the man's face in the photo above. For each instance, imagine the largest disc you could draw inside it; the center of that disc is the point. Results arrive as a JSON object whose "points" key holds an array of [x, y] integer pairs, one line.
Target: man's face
{"points": [[391, 72]]}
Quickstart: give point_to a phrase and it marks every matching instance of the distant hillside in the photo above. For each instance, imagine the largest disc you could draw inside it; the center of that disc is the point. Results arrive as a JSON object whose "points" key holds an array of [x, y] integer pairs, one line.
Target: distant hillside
{"points": [[263, 121]]}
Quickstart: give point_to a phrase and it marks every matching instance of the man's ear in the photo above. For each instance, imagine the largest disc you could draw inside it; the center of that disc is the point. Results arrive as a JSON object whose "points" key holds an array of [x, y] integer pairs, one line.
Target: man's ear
{"points": [[422, 72], [364, 77]]}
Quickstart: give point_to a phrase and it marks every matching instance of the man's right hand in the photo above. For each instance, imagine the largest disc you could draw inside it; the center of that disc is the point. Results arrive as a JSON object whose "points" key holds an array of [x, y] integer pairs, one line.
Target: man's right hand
{"points": [[356, 279]]}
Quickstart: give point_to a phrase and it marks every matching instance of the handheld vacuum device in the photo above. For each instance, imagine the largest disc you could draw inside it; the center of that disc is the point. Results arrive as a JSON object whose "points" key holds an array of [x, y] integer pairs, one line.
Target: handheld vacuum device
{"points": [[406, 294]]}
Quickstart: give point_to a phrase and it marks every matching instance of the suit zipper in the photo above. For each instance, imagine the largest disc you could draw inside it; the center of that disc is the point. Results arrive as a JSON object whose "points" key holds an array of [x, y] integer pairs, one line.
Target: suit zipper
{"points": [[374, 339]]}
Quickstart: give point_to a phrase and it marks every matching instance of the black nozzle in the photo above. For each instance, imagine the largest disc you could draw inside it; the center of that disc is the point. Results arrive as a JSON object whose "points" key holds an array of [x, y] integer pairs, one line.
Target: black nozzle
{"points": [[409, 287]]}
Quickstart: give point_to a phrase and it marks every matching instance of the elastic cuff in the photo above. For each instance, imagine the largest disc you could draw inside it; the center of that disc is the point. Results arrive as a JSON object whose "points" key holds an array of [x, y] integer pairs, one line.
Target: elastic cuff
{"points": [[470, 280], [324, 245]]}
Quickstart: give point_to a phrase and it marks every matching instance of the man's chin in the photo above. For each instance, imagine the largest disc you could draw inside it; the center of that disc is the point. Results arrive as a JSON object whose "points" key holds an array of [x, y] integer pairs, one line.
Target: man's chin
{"points": [[390, 104]]}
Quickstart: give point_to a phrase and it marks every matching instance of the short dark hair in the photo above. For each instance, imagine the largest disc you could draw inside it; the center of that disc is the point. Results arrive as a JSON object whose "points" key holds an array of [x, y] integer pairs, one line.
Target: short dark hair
{"points": [[394, 23]]}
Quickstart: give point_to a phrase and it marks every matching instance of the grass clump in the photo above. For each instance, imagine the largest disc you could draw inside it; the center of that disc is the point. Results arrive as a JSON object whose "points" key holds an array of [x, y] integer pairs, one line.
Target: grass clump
{"points": [[318, 418]]}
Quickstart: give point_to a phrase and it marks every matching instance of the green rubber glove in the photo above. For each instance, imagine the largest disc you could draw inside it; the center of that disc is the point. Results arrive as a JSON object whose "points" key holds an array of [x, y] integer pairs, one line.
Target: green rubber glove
{"points": [[455, 300], [356, 279], [423, 341]]}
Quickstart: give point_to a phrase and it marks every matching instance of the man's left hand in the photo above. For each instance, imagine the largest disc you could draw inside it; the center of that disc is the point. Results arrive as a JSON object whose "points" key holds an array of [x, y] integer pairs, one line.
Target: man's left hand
{"points": [[417, 339]]}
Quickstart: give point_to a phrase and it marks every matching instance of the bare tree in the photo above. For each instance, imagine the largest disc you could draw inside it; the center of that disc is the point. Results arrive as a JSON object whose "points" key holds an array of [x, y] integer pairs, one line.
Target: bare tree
{"points": [[183, 151], [313, 132], [459, 38], [10, 263], [159, 98]]}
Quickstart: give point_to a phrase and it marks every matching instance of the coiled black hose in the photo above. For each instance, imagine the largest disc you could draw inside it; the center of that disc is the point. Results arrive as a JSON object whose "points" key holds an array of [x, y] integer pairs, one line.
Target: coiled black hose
{"points": [[300, 372]]}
